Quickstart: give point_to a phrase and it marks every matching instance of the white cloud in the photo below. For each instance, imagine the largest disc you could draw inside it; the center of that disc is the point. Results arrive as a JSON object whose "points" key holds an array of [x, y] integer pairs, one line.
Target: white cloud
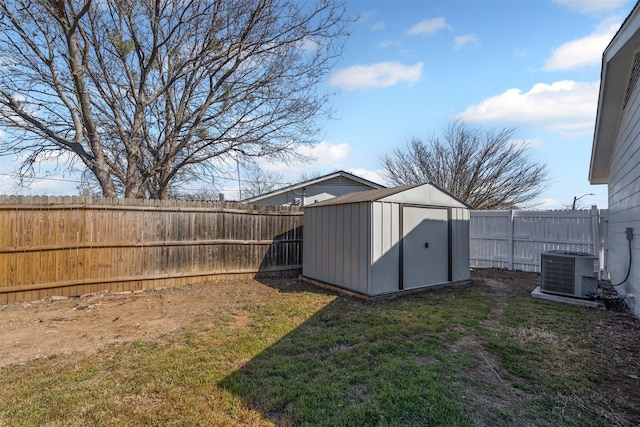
{"points": [[385, 43], [429, 26], [582, 52], [325, 157], [547, 203], [464, 41], [309, 45], [378, 26], [52, 176], [372, 175], [565, 106], [327, 153], [592, 6], [54, 185], [382, 74]]}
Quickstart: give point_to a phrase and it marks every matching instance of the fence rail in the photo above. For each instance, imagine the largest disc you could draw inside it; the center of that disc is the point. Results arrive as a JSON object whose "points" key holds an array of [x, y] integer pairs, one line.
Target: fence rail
{"points": [[515, 239], [78, 245]]}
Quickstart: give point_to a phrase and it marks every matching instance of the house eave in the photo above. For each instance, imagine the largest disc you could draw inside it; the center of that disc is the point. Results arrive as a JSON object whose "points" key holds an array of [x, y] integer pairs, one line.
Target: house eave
{"points": [[617, 63]]}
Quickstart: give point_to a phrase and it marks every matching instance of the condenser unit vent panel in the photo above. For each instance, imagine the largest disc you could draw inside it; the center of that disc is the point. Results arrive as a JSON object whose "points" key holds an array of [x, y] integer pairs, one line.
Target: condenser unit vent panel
{"points": [[569, 273]]}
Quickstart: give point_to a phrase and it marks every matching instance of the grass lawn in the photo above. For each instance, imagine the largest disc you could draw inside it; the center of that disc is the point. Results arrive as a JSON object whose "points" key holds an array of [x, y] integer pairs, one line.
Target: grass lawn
{"points": [[486, 354]]}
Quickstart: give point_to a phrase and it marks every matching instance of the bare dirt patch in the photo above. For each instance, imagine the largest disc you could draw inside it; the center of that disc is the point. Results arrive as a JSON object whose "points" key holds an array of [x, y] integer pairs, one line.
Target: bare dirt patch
{"points": [[53, 326]]}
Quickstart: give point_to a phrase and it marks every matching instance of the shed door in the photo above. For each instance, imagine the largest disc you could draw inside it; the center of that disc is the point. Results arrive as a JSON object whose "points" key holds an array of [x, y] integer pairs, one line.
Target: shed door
{"points": [[425, 246]]}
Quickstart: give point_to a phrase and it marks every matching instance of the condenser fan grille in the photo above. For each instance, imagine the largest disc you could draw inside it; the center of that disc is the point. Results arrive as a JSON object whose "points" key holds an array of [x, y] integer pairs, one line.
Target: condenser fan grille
{"points": [[569, 273], [559, 274]]}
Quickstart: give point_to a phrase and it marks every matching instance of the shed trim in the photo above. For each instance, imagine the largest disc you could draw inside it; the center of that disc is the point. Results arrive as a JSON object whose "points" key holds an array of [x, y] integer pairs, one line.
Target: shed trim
{"points": [[384, 296], [378, 194]]}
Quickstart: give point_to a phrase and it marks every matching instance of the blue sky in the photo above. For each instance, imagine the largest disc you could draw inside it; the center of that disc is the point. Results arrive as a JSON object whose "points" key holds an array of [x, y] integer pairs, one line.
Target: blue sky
{"points": [[411, 67]]}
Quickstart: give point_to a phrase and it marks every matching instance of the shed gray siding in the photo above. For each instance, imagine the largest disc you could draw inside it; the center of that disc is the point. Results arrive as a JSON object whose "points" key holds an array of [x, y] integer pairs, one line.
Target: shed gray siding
{"points": [[424, 195], [358, 244], [460, 219], [385, 237], [340, 253], [624, 198]]}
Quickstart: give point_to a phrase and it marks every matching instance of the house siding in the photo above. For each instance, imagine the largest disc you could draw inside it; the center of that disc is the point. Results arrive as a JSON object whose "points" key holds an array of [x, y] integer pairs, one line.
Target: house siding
{"points": [[624, 201]]}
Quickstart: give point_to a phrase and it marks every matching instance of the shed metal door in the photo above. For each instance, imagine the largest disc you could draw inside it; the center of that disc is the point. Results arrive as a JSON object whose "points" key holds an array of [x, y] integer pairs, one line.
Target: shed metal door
{"points": [[425, 246]]}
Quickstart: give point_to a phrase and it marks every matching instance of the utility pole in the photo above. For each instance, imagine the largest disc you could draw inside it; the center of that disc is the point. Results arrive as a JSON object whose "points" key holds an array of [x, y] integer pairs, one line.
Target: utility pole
{"points": [[575, 199]]}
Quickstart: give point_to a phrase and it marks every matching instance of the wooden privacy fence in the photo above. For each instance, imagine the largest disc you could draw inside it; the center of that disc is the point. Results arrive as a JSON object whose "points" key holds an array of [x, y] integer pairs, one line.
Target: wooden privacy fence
{"points": [[515, 239], [78, 245]]}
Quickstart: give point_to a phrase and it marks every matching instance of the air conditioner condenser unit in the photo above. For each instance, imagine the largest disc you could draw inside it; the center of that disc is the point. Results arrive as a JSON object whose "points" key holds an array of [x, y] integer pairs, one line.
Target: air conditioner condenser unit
{"points": [[568, 273]]}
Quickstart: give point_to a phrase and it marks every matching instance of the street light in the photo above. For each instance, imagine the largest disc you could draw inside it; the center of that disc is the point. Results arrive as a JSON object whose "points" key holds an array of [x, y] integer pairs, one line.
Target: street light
{"points": [[575, 199]]}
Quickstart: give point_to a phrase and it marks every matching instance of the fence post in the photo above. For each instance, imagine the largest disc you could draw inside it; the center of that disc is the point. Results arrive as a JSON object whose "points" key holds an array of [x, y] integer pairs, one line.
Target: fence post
{"points": [[510, 237], [594, 230], [603, 242]]}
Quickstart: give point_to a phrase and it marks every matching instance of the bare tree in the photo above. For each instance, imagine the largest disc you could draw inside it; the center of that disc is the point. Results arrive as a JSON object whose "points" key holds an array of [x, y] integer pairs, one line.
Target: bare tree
{"points": [[147, 95], [578, 203], [485, 169], [308, 176], [258, 181]]}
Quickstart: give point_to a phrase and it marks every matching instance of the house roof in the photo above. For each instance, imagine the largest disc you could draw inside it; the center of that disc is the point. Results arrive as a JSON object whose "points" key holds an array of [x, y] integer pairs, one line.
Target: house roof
{"points": [[363, 196], [313, 181], [617, 64], [375, 195]]}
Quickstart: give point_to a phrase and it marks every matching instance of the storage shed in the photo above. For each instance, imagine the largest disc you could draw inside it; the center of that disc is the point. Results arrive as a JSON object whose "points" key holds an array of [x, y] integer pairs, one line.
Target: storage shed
{"points": [[387, 241]]}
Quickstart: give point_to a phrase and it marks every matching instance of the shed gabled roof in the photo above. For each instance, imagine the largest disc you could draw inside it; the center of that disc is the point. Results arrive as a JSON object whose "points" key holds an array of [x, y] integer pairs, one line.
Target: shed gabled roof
{"points": [[385, 194], [617, 63], [313, 181]]}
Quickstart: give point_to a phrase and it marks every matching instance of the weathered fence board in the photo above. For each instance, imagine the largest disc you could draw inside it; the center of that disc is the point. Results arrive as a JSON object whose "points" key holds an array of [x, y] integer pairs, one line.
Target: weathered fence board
{"points": [[515, 239], [77, 245]]}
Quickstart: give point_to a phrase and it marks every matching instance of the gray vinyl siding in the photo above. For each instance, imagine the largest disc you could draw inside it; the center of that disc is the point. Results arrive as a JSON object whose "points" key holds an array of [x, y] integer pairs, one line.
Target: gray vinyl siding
{"points": [[624, 200], [333, 187], [315, 192]]}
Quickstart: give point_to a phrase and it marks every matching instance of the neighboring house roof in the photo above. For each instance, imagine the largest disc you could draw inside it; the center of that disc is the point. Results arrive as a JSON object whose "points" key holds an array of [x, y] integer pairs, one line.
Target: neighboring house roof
{"points": [[364, 196], [320, 179], [379, 194], [616, 81]]}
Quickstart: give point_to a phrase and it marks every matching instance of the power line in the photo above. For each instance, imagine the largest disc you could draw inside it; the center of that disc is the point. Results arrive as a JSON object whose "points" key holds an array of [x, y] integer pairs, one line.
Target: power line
{"points": [[75, 181], [43, 179]]}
